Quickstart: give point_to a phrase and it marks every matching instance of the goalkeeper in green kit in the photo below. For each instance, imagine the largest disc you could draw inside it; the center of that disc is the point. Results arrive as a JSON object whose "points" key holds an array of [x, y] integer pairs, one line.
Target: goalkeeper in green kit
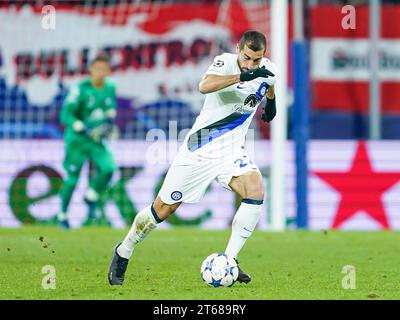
{"points": [[88, 114]]}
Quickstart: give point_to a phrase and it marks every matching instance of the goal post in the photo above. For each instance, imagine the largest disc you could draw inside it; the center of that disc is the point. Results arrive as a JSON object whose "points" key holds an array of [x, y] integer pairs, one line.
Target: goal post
{"points": [[279, 39]]}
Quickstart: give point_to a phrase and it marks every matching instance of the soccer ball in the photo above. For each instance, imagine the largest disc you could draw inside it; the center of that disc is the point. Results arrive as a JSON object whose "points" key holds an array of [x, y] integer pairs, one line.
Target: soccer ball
{"points": [[219, 270]]}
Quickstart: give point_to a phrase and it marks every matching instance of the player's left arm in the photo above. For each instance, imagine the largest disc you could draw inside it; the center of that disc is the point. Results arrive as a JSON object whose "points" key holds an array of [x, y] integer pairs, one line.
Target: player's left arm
{"points": [[269, 110], [111, 103], [111, 110]]}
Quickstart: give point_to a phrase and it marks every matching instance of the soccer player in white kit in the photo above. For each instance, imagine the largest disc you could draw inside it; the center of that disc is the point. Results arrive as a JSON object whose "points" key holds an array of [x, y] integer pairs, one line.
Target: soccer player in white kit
{"points": [[234, 86]]}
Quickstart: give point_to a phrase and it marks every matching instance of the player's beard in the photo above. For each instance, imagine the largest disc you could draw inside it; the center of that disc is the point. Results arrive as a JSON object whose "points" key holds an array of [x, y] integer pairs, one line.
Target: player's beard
{"points": [[240, 68]]}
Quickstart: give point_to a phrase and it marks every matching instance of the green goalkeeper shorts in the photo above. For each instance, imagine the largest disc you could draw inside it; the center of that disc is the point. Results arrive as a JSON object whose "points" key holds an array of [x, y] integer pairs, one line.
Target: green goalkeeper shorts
{"points": [[78, 151]]}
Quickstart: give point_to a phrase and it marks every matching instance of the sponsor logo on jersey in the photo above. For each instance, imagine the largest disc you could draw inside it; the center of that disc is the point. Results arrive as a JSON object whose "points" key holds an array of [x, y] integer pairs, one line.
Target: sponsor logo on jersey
{"points": [[251, 100]]}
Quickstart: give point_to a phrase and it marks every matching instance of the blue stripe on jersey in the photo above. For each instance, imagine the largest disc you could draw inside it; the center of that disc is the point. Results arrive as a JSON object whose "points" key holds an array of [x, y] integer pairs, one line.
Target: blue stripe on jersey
{"points": [[205, 135]]}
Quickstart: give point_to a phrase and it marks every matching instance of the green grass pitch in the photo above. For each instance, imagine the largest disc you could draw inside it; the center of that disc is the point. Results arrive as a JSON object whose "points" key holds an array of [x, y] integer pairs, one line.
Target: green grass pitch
{"points": [[288, 265]]}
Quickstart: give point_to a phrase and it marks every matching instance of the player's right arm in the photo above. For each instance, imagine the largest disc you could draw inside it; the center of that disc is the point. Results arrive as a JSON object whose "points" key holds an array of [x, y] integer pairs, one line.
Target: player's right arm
{"points": [[218, 75], [70, 108], [211, 82]]}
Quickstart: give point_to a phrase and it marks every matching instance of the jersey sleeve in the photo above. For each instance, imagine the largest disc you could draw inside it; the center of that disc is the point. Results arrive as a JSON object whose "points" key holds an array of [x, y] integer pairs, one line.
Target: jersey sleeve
{"points": [[220, 65], [71, 106], [271, 67], [111, 100]]}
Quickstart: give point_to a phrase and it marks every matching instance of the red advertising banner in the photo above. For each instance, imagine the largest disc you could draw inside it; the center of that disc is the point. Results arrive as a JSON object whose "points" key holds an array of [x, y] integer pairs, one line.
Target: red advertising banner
{"points": [[340, 59]]}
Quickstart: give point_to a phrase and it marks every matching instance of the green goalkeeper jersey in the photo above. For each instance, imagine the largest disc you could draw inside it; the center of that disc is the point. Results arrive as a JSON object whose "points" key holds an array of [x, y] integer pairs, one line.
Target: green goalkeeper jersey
{"points": [[93, 106]]}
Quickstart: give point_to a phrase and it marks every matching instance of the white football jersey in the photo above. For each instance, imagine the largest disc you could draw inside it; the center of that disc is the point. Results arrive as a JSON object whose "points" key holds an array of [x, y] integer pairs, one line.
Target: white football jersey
{"points": [[220, 128]]}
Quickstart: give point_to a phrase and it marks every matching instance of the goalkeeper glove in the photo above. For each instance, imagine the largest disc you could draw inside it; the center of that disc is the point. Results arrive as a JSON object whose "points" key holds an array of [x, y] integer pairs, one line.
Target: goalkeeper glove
{"points": [[98, 133], [253, 74], [101, 132], [108, 128], [78, 126]]}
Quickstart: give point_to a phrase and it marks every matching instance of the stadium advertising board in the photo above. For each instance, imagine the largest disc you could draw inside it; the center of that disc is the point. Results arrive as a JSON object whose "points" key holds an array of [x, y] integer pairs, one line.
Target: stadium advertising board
{"points": [[352, 185], [340, 59]]}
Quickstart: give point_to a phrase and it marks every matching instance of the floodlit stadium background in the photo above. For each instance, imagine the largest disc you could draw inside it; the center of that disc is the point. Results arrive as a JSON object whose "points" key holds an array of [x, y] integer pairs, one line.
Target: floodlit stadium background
{"points": [[160, 50]]}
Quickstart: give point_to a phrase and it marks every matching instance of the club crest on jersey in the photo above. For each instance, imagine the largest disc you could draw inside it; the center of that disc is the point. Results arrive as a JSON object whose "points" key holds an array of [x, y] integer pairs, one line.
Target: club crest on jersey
{"points": [[176, 195]]}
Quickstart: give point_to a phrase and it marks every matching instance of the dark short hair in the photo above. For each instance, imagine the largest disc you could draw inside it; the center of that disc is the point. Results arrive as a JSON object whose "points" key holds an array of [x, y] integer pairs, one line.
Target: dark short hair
{"points": [[255, 40], [101, 57]]}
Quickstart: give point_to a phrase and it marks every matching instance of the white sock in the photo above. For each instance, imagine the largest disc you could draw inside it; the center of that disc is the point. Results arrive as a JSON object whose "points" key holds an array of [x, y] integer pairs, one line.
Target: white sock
{"points": [[145, 222], [243, 224], [91, 195]]}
